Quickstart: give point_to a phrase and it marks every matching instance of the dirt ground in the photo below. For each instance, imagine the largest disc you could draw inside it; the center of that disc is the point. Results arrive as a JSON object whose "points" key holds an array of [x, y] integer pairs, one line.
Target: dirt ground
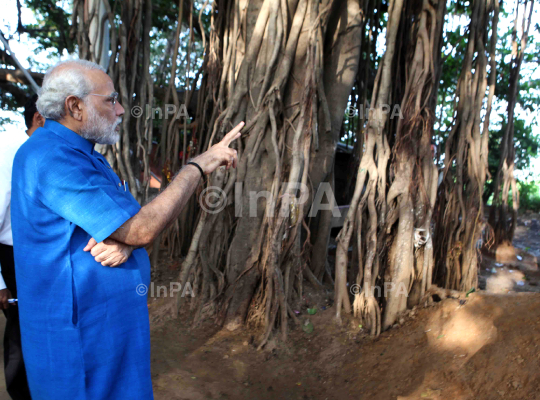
{"points": [[484, 347], [514, 269]]}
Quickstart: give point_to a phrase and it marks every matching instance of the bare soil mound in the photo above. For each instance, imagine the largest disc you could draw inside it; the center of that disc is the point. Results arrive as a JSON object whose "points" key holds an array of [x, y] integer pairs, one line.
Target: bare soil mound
{"points": [[486, 348]]}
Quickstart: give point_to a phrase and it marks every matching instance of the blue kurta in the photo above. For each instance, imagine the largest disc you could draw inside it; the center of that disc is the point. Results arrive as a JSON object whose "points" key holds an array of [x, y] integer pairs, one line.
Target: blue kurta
{"points": [[85, 329]]}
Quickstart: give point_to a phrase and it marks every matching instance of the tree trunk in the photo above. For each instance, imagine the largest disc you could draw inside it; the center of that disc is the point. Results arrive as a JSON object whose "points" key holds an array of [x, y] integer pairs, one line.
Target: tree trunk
{"points": [[460, 220], [130, 44], [286, 68], [503, 226], [396, 252]]}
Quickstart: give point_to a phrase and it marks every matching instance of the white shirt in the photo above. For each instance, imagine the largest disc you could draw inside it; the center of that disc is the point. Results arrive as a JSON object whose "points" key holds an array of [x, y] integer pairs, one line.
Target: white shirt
{"points": [[10, 141]]}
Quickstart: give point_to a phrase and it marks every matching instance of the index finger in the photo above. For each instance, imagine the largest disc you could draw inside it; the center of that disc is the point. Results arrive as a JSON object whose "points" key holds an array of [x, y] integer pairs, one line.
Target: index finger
{"points": [[233, 135]]}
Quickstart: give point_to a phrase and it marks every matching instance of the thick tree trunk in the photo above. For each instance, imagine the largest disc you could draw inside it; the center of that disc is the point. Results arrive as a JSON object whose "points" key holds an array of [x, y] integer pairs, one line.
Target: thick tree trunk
{"points": [[415, 182], [287, 70], [502, 225], [396, 252], [460, 208], [373, 168]]}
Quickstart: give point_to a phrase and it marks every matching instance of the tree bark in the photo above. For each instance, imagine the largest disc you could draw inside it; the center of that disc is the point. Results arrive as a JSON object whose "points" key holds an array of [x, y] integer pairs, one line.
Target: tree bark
{"points": [[503, 226], [460, 220]]}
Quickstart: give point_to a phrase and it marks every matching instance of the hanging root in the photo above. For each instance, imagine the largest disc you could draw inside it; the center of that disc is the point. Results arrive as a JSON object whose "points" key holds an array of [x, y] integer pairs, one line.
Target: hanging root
{"points": [[367, 309]]}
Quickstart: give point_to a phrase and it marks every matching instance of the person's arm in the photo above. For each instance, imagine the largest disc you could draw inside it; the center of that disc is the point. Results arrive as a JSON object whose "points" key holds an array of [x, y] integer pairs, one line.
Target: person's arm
{"points": [[143, 228], [5, 295], [109, 253]]}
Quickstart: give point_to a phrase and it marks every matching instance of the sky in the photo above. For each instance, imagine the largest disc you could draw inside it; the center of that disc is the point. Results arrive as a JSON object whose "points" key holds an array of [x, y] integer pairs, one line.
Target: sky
{"points": [[26, 49]]}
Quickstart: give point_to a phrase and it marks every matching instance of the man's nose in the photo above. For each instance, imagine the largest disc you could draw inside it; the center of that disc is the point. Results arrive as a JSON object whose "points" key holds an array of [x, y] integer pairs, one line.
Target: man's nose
{"points": [[119, 109]]}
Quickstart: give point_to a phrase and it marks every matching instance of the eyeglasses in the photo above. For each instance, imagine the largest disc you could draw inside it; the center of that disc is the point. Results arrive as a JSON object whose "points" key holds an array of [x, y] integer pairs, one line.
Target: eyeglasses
{"points": [[113, 98]]}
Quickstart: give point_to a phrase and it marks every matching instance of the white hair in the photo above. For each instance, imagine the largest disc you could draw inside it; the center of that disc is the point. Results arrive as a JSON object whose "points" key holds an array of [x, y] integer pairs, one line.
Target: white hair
{"points": [[60, 82]]}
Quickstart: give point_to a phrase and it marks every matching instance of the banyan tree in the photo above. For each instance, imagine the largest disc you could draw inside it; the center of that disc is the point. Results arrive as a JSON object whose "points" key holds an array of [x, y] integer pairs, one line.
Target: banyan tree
{"points": [[290, 69]]}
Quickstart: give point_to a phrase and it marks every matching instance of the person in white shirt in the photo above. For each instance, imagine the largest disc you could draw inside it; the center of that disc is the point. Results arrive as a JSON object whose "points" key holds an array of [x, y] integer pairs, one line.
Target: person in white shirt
{"points": [[10, 141]]}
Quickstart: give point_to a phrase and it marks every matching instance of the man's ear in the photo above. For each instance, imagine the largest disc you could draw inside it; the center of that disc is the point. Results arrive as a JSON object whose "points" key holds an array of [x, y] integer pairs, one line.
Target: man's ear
{"points": [[38, 120], [74, 107]]}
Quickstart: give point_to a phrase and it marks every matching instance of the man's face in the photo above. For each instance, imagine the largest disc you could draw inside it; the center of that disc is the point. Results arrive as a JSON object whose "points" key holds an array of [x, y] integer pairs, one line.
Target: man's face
{"points": [[102, 113]]}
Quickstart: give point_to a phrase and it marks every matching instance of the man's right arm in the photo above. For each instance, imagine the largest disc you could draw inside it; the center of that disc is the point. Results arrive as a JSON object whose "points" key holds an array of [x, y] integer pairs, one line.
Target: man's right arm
{"points": [[154, 217]]}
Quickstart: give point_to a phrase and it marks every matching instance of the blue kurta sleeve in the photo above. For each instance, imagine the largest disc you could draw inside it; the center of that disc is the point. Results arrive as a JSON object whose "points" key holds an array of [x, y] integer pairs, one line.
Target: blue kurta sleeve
{"points": [[71, 185]]}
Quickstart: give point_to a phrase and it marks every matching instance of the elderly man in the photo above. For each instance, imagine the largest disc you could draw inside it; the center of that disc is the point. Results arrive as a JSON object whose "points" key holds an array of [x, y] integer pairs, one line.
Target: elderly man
{"points": [[84, 326], [10, 141]]}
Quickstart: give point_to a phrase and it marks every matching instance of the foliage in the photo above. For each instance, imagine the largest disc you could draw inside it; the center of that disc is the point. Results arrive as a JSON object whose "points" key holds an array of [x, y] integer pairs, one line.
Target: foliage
{"points": [[529, 195], [526, 143], [52, 30], [5, 122], [8, 102], [55, 36]]}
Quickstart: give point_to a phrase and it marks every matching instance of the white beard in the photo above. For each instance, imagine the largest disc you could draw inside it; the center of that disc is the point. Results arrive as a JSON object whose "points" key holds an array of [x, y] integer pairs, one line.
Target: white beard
{"points": [[98, 130]]}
